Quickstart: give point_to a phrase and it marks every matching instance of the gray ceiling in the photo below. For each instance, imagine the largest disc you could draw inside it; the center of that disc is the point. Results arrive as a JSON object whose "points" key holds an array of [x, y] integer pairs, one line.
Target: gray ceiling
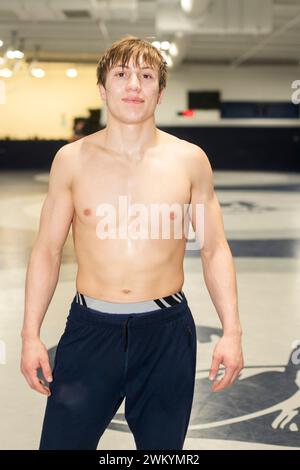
{"points": [[233, 32]]}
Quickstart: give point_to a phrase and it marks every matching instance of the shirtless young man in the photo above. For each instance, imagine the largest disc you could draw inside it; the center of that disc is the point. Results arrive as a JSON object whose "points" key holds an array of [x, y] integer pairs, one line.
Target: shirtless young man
{"points": [[130, 332]]}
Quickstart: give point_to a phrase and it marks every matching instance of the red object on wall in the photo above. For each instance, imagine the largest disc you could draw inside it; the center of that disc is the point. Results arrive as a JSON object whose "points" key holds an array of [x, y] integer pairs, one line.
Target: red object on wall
{"points": [[186, 113]]}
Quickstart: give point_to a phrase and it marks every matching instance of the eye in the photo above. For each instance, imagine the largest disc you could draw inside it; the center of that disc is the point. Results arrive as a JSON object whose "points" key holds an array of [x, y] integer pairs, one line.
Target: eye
{"points": [[147, 75], [119, 73]]}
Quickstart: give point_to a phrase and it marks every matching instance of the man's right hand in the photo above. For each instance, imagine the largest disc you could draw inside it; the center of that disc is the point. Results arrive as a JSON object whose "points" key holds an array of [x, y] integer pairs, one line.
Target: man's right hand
{"points": [[35, 355]]}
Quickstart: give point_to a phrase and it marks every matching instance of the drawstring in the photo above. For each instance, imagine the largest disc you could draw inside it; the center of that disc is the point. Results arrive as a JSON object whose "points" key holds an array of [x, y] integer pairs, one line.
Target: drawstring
{"points": [[126, 333], [190, 335]]}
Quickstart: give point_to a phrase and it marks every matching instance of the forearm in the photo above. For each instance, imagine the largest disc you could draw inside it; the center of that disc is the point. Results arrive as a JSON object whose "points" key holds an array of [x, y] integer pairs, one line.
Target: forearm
{"points": [[41, 280], [220, 279]]}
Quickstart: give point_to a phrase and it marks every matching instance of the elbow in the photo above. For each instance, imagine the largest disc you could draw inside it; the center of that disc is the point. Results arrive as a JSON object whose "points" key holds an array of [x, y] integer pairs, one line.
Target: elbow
{"points": [[211, 250], [46, 251]]}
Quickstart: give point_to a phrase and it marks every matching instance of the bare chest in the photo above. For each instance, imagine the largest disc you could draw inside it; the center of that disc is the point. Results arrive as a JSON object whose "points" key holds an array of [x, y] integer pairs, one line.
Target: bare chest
{"points": [[151, 184]]}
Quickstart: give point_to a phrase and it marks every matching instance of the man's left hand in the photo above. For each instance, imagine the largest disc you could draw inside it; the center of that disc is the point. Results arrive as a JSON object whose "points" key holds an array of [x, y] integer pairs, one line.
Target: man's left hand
{"points": [[228, 351]]}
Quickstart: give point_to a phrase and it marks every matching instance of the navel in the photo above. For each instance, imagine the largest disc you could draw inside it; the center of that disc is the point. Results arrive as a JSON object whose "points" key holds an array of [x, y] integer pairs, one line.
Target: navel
{"points": [[126, 291]]}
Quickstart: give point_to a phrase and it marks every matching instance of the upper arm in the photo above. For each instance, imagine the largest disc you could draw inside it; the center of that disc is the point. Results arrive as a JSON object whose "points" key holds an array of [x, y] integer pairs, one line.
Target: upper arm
{"points": [[208, 225], [57, 210]]}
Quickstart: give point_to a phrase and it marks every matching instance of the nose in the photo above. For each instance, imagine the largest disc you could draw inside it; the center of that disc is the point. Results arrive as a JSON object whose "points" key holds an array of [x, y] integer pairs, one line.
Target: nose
{"points": [[133, 82]]}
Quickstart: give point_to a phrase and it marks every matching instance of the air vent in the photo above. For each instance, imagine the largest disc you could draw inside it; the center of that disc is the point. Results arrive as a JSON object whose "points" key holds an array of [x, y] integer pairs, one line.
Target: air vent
{"points": [[77, 14]]}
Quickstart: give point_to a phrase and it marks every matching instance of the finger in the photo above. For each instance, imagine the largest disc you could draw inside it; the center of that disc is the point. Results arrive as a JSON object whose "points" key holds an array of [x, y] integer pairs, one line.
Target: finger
{"points": [[214, 368], [36, 384], [33, 381], [46, 369], [40, 387], [235, 376], [45, 386], [225, 381], [238, 371]]}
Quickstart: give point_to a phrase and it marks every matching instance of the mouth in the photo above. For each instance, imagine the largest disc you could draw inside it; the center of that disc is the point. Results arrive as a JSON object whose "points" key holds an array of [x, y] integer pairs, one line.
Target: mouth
{"points": [[133, 101]]}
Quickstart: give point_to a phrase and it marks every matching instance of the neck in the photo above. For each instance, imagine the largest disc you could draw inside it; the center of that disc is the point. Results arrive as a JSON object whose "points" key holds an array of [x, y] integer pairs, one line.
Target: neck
{"points": [[130, 140]]}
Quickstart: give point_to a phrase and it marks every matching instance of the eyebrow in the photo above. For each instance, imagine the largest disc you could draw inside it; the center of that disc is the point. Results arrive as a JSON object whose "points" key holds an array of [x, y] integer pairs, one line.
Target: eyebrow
{"points": [[126, 67]]}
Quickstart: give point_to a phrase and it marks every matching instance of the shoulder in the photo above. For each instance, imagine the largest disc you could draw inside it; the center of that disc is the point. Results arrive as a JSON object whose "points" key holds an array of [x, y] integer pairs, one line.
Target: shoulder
{"points": [[194, 154], [69, 154], [191, 152], [64, 154], [197, 161], [193, 159], [197, 165], [65, 162]]}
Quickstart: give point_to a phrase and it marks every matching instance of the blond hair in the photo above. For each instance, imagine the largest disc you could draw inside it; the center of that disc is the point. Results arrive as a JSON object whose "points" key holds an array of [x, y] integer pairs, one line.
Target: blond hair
{"points": [[133, 47]]}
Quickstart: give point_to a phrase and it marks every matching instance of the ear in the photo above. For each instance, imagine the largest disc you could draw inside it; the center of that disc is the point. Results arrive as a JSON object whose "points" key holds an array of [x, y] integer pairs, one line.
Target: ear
{"points": [[159, 99], [102, 92]]}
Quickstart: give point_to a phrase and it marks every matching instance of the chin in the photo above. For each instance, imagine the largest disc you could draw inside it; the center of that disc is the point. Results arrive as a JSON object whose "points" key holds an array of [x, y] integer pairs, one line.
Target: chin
{"points": [[131, 120]]}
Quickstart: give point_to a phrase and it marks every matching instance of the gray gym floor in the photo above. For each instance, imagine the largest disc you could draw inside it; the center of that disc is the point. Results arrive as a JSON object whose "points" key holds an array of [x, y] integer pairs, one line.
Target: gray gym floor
{"points": [[262, 220]]}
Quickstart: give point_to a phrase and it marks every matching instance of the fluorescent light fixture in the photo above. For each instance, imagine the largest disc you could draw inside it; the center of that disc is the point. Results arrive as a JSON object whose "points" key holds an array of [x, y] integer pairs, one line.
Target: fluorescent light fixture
{"points": [[71, 73], [156, 44], [37, 72], [165, 45], [6, 73], [169, 61], [19, 54], [14, 54], [173, 50], [186, 5]]}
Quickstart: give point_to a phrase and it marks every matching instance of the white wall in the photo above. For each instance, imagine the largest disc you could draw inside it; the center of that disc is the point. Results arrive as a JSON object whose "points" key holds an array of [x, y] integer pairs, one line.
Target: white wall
{"points": [[263, 83], [46, 107]]}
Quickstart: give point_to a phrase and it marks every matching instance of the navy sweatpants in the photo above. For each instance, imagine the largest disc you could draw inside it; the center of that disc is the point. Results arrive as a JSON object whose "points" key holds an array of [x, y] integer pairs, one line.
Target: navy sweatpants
{"points": [[147, 358]]}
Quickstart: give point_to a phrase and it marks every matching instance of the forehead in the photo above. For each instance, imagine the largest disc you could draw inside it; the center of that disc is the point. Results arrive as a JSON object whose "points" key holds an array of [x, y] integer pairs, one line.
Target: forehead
{"points": [[141, 64]]}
